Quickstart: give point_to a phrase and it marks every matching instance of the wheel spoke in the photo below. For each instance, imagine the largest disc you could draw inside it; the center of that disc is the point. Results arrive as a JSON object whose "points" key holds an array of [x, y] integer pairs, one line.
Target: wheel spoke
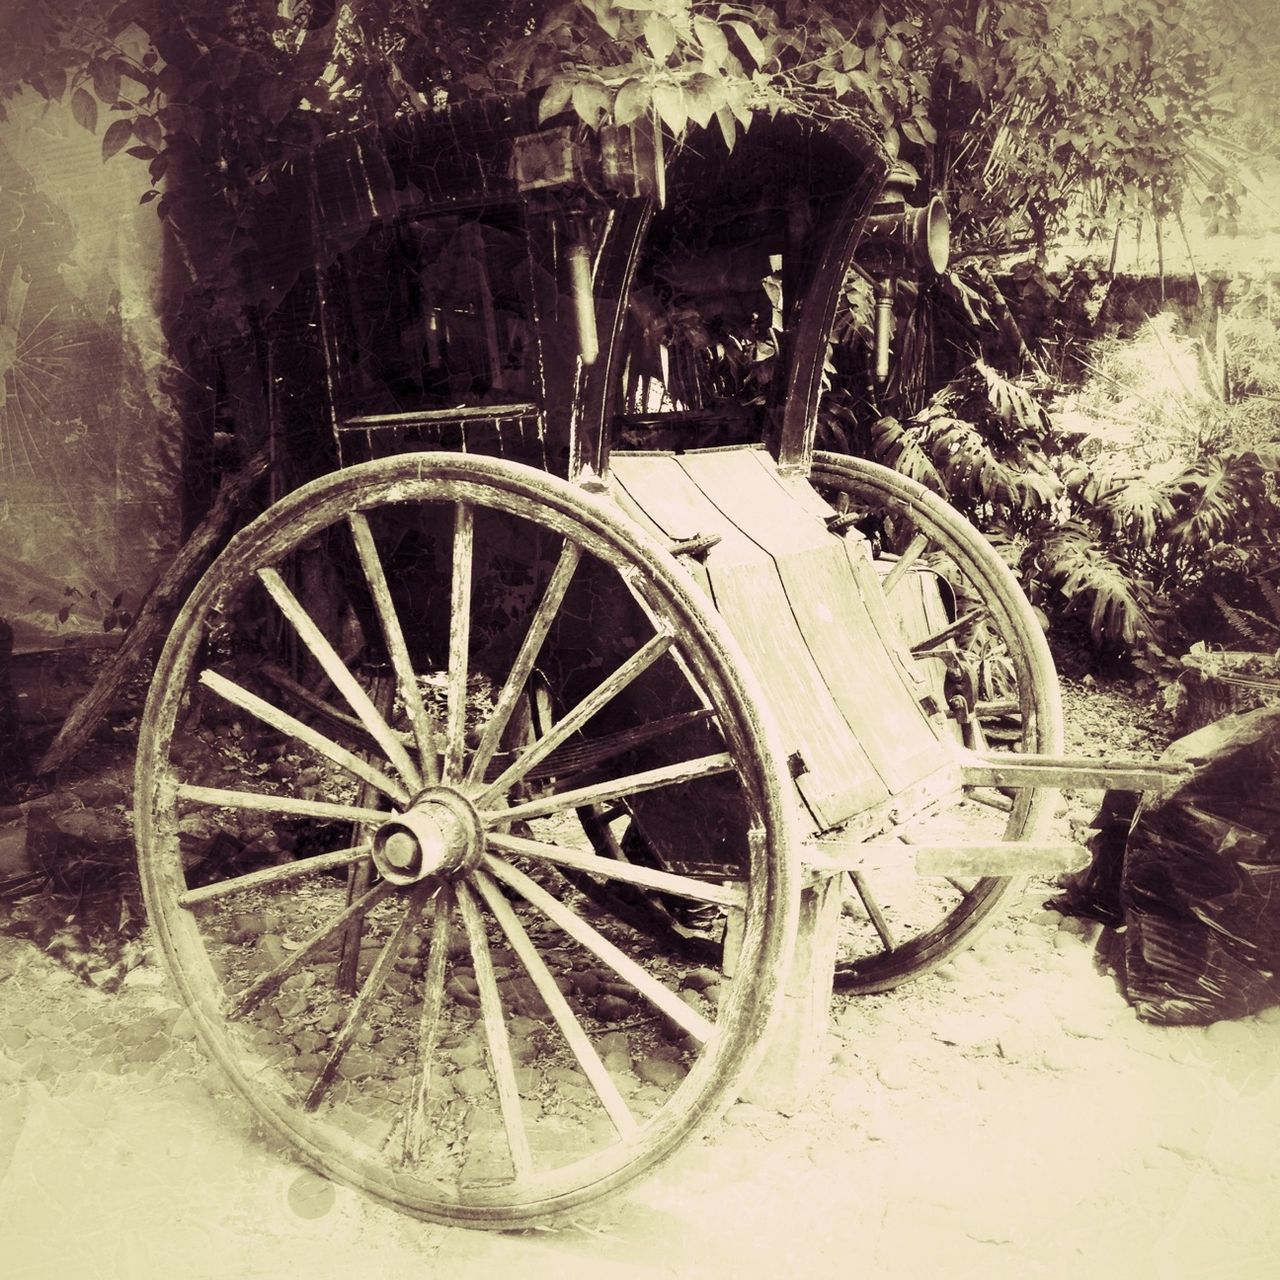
{"points": [[992, 799], [360, 1009], [959, 886], [730, 895], [334, 861], [631, 784], [269, 982], [300, 693], [428, 1027], [920, 649], [575, 1037], [495, 1030], [915, 549], [459, 641], [406, 681], [601, 695], [222, 798], [286, 723], [517, 678], [346, 684], [661, 997], [873, 910]]}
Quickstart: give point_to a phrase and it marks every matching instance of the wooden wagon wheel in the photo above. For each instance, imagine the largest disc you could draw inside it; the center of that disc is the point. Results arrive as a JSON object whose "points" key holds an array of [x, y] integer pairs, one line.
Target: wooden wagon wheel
{"points": [[993, 670], [508, 1053]]}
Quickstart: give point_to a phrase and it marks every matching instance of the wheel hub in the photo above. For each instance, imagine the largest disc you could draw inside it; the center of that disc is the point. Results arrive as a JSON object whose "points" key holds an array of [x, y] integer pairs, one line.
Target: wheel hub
{"points": [[440, 834]]}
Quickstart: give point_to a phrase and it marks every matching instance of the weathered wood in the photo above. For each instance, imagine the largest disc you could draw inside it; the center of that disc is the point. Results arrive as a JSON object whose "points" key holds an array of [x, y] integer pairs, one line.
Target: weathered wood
{"points": [[726, 895], [334, 667], [627, 786], [575, 1036], [406, 680], [495, 1031], [849, 655], [660, 996], [835, 776], [241, 697], [798, 1051], [338, 860], [577, 716], [155, 613], [950, 858], [459, 641], [1071, 771], [429, 1024]]}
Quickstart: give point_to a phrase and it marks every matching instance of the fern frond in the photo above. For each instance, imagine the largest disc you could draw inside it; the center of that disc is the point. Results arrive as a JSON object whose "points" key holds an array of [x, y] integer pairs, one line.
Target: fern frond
{"points": [[1248, 625], [1271, 594]]}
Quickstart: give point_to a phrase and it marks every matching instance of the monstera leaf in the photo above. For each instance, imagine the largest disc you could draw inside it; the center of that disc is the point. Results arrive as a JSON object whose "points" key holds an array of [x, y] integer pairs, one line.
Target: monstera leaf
{"points": [[1092, 580]]}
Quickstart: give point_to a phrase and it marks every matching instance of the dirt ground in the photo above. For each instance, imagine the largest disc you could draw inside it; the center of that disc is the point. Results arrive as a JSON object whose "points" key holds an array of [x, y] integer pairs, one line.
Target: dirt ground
{"points": [[1005, 1116]]}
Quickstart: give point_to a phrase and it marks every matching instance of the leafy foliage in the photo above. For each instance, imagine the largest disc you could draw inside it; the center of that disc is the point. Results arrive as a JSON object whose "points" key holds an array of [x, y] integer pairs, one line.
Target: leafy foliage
{"points": [[982, 441], [1157, 534]]}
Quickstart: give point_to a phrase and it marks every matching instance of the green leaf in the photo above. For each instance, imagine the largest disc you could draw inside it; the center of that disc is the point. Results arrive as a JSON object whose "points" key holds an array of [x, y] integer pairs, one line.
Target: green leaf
{"points": [[704, 96], [558, 95], [84, 107], [660, 36], [147, 130], [116, 137], [591, 101], [715, 48], [669, 101], [728, 126], [751, 42], [106, 80], [632, 101]]}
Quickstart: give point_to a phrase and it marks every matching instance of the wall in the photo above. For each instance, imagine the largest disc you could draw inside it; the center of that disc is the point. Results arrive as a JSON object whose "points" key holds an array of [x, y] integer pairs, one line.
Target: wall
{"points": [[90, 440]]}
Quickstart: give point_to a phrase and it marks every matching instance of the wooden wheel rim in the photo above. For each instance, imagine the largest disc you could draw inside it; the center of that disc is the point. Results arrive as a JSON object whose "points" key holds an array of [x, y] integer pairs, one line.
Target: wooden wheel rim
{"points": [[772, 883], [1038, 693]]}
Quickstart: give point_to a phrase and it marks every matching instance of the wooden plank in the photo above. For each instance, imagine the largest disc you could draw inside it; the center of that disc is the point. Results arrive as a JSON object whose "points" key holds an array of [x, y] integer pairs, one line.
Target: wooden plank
{"points": [[953, 858], [743, 580], [865, 683], [1071, 771]]}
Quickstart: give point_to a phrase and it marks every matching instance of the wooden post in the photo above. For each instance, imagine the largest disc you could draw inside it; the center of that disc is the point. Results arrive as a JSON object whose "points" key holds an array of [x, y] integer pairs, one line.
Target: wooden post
{"points": [[798, 1053]]}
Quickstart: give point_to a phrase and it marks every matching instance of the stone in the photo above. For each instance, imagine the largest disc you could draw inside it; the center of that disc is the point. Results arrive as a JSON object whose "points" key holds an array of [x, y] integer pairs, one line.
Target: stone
{"points": [[469, 1053], [458, 992], [358, 1064], [701, 979], [471, 1081], [588, 983], [611, 1008], [309, 1041], [660, 1071]]}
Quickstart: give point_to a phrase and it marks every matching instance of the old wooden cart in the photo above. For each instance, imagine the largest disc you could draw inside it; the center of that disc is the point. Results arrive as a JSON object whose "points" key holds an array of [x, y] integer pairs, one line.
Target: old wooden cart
{"points": [[505, 793]]}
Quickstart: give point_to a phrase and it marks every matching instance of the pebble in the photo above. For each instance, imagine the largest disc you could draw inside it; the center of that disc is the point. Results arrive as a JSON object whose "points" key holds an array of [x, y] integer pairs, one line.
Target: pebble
{"points": [[469, 1053], [461, 994], [660, 1071], [471, 1081], [612, 1009], [309, 1042], [701, 979]]}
